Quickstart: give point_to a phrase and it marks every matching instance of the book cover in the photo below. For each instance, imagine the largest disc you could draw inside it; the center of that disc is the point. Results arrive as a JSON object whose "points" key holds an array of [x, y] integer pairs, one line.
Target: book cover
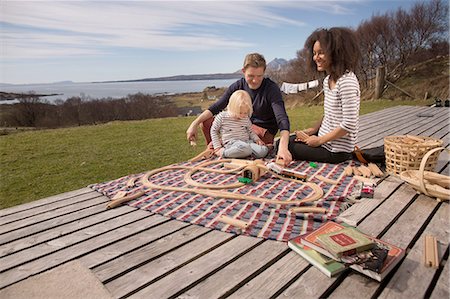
{"points": [[394, 253], [347, 241], [394, 256], [310, 239], [326, 265]]}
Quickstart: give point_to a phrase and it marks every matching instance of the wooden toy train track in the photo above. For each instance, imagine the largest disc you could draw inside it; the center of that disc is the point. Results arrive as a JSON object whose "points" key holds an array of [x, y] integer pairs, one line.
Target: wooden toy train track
{"points": [[251, 169]]}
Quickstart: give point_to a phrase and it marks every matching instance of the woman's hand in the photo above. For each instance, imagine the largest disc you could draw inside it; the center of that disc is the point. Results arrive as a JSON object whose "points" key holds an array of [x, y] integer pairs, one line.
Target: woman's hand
{"points": [[314, 141], [301, 136]]}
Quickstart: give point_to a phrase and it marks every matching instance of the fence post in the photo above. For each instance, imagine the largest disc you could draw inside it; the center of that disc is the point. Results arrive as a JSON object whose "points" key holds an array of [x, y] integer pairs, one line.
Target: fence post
{"points": [[379, 81]]}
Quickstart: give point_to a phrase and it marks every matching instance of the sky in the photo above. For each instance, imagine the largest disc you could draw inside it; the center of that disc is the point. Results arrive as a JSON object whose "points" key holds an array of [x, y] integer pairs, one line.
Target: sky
{"points": [[85, 41]]}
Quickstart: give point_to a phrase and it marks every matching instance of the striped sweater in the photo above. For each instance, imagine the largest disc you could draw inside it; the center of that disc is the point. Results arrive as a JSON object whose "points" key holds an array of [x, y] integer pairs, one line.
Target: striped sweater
{"points": [[226, 128], [341, 109]]}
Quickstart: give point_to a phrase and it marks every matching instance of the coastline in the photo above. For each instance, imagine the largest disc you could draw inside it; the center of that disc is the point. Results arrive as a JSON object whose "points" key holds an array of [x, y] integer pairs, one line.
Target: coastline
{"points": [[115, 90]]}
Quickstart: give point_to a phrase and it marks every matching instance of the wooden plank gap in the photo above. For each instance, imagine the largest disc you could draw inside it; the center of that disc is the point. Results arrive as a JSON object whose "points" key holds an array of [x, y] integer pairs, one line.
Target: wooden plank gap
{"points": [[291, 281], [424, 225], [46, 211], [256, 273], [437, 274], [403, 210], [45, 201], [177, 267], [336, 283], [48, 228], [142, 245], [382, 285], [211, 273], [159, 256], [37, 235]]}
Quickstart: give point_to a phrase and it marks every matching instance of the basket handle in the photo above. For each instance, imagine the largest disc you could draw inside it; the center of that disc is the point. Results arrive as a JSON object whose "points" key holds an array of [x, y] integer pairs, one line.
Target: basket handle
{"points": [[422, 167]]}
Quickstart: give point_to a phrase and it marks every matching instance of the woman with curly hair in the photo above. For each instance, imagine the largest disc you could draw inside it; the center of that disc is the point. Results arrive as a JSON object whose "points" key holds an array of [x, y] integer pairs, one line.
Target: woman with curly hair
{"points": [[335, 52]]}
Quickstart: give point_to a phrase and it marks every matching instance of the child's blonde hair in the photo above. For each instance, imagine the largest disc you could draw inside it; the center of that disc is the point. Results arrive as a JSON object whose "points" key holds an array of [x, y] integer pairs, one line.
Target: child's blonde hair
{"points": [[239, 98]]}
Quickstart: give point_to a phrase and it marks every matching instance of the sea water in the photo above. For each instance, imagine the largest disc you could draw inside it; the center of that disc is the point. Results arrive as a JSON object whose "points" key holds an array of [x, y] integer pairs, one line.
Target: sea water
{"points": [[114, 89]]}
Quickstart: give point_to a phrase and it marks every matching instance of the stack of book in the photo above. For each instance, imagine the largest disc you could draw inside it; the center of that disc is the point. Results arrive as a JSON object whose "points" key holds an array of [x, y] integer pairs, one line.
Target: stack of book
{"points": [[334, 247]]}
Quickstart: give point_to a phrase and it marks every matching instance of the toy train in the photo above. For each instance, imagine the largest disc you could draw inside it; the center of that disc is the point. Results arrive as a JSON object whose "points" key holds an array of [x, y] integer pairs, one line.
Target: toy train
{"points": [[287, 173]]}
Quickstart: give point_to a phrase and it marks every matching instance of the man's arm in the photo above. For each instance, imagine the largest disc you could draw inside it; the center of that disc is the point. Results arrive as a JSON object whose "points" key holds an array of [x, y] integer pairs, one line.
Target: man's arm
{"points": [[283, 151], [191, 132]]}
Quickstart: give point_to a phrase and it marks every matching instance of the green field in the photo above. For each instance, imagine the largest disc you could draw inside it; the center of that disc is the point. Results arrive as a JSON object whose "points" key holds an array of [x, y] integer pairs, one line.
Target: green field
{"points": [[37, 164]]}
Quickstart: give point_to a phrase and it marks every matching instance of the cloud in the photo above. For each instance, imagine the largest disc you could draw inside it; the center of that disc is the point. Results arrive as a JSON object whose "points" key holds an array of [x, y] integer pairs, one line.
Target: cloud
{"points": [[38, 29]]}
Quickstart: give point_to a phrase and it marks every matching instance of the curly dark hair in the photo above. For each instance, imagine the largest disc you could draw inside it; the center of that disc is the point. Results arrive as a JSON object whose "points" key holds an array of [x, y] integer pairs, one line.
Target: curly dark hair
{"points": [[340, 45]]}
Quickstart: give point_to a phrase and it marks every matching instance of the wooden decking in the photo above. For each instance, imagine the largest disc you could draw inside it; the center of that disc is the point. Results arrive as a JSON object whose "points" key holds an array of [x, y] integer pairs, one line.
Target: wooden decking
{"points": [[138, 254]]}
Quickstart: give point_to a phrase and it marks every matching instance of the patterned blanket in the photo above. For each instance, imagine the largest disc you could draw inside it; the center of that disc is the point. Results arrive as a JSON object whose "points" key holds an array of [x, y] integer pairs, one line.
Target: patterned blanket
{"points": [[266, 220]]}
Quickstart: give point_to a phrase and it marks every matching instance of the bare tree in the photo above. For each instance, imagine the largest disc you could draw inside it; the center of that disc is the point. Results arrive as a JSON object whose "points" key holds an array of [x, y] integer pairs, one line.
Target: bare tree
{"points": [[392, 39]]}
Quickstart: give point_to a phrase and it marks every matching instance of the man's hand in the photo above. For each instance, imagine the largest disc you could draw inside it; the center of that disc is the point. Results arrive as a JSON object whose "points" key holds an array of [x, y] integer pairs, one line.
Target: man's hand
{"points": [[191, 133], [284, 155]]}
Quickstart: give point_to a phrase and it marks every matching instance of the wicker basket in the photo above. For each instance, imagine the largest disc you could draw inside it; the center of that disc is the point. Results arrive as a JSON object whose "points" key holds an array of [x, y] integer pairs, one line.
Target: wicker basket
{"points": [[406, 152], [428, 182]]}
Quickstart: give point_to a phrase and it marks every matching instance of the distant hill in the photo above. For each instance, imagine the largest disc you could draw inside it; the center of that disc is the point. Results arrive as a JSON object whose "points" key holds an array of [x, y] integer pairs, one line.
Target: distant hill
{"points": [[275, 65], [218, 76]]}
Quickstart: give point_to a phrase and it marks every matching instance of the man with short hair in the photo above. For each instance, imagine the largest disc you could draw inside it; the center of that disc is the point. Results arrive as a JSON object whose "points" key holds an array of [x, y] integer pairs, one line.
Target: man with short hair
{"points": [[269, 114]]}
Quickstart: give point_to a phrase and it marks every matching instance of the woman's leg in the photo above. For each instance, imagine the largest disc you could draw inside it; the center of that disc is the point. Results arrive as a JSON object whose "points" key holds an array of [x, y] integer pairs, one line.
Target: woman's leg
{"points": [[301, 151], [237, 149]]}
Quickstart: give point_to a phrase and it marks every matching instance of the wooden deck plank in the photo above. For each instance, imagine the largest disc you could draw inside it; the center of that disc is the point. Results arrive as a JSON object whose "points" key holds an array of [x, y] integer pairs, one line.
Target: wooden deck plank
{"points": [[402, 233], [368, 120], [442, 288], [389, 121], [309, 285], [46, 208], [379, 219], [135, 242], [45, 225], [357, 212], [45, 201], [69, 247], [372, 225], [199, 269], [162, 264], [224, 280], [375, 136], [134, 260], [139, 254], [60, 212], [31, 236], [394, 127], [55, 244], [413, 128], [387, 110], [273, 279], [443, 131], [413, 278]]}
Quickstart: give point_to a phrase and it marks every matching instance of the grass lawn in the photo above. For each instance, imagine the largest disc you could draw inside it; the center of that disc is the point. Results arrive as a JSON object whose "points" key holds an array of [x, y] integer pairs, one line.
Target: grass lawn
{"points": [[37, 164]]}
